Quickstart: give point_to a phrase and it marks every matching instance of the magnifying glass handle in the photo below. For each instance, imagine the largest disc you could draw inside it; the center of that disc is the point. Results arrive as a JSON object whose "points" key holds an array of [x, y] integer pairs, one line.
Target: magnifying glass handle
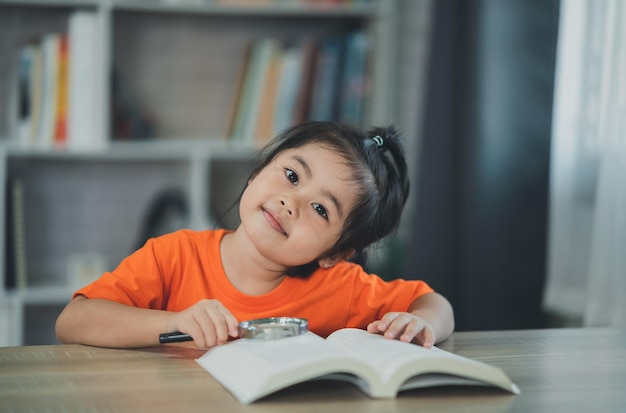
{"points": [[175, 337]]}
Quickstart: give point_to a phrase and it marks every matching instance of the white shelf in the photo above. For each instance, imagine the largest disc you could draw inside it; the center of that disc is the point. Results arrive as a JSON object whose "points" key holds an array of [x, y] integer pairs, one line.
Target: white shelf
{"points": [[162, 149]]}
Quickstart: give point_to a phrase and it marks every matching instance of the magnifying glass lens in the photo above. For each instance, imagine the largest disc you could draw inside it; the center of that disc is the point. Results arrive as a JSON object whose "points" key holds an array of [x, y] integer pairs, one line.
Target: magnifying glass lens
{"points": [[273, 328]]}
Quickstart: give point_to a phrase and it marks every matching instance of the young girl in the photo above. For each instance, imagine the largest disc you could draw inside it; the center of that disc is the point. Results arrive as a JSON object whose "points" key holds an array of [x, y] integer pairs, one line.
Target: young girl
{"points": [[323, 193]]}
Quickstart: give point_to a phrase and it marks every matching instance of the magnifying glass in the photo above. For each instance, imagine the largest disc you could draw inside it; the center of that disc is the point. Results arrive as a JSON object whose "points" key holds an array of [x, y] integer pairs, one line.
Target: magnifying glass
{"points": [[272, 328]]}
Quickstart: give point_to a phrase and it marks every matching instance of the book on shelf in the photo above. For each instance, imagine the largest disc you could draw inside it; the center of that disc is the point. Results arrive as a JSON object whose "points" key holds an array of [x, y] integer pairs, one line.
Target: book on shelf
{"points": [[265, 120], [305, 87], [84, 111], [328, 71], [15, 249], [50, 46], [355, 78], [250, 102], [62, 86], [287, 94], [238, 93], [58, 80], [269, 50], [252, 369], [280, 85], [21, 101]]}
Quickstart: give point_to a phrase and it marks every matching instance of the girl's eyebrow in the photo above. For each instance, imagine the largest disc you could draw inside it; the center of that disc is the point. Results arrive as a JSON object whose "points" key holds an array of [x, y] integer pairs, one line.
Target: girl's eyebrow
{"points": [[304, 165], [309, 174]]}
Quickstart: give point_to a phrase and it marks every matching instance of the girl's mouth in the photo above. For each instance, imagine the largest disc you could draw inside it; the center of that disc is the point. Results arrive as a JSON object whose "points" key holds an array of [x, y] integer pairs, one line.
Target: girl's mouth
{"points": [[273, 222]]}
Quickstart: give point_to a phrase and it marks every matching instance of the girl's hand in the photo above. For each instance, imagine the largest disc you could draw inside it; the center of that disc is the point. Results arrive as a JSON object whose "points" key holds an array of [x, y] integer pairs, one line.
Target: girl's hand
{"points": [[406, 327], [208, 322]]}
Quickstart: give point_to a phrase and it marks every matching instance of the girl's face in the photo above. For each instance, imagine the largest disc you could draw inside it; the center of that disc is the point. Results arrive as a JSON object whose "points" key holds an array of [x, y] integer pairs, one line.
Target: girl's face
{"points": [[293, 211]]}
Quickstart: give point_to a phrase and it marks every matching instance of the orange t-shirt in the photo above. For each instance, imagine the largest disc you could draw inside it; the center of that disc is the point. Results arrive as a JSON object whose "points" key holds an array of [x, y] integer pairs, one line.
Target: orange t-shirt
{"points": [[174, 271]]}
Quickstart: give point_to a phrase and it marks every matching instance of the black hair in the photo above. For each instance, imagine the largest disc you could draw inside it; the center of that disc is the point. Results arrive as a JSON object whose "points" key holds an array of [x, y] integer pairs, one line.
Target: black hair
{"points": [[379, 173]]}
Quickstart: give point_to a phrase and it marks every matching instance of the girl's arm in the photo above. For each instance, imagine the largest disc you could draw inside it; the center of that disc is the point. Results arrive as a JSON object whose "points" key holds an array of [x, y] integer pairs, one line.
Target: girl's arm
{"points": [[429, 320], [436, 311], [104, 323]]}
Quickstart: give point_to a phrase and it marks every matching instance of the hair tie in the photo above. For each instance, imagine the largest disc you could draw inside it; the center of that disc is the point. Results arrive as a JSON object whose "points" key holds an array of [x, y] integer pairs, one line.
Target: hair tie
{"points": [[379, 141]]}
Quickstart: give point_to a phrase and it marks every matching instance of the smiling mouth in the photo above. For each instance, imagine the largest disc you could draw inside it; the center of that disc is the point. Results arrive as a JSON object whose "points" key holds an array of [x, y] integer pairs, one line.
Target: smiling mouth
{"points": [[273, 222]]}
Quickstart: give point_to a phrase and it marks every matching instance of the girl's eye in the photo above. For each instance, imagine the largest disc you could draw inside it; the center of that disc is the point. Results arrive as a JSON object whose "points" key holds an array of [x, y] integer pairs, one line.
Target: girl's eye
{"points": [[292, 176], [321, 210]]}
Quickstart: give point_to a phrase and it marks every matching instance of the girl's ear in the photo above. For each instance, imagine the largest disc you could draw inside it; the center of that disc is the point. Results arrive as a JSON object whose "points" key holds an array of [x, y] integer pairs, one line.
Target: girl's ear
{"points": [[328, 262]]}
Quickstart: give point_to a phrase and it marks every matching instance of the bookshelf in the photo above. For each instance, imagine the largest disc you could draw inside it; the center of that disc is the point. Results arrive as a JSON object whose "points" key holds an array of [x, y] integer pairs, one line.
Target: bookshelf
{"points": [[163, 81]]}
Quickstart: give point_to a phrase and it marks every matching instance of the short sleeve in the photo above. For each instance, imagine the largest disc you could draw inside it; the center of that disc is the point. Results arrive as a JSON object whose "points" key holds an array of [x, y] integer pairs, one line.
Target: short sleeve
{"points": [[137, 281], [373, 297]]}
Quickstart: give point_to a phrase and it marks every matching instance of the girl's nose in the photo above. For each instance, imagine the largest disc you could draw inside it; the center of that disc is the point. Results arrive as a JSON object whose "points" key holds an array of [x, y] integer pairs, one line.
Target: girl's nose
{"points": [[289, 210]]}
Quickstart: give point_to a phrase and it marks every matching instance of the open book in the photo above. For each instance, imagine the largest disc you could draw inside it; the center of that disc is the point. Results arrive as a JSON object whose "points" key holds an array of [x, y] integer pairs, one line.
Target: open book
{"points": [[251, 369]]}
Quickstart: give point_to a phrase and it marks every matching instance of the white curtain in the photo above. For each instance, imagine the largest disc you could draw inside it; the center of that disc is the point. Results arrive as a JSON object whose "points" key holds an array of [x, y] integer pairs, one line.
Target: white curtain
{"points": [[587, 238]]}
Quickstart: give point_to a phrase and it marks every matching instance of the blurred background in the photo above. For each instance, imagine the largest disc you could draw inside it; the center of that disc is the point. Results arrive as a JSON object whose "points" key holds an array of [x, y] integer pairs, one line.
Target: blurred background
{"points": [[520, 208], [511, 111], [482, 180]]}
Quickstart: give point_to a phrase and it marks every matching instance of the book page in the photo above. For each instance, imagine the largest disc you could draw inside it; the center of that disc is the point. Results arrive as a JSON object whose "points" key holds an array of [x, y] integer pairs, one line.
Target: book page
{"points": [[396, 362], [386, 355], [251, 369]]}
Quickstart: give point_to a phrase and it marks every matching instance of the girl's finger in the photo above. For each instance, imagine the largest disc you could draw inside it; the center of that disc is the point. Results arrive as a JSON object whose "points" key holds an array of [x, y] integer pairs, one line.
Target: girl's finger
{"points": [[218, 320], [203, 319], [400, 324], [231, 322], [428, 337], [412, 330]]}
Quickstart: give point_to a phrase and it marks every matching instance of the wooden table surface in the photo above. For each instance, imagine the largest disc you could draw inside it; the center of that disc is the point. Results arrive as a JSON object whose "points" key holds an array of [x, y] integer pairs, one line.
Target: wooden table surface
{"points": [[557, 370]]}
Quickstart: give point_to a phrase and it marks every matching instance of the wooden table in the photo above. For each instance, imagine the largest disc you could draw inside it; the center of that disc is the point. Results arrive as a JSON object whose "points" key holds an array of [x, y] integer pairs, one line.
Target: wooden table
{"points": [[568, 370]]}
